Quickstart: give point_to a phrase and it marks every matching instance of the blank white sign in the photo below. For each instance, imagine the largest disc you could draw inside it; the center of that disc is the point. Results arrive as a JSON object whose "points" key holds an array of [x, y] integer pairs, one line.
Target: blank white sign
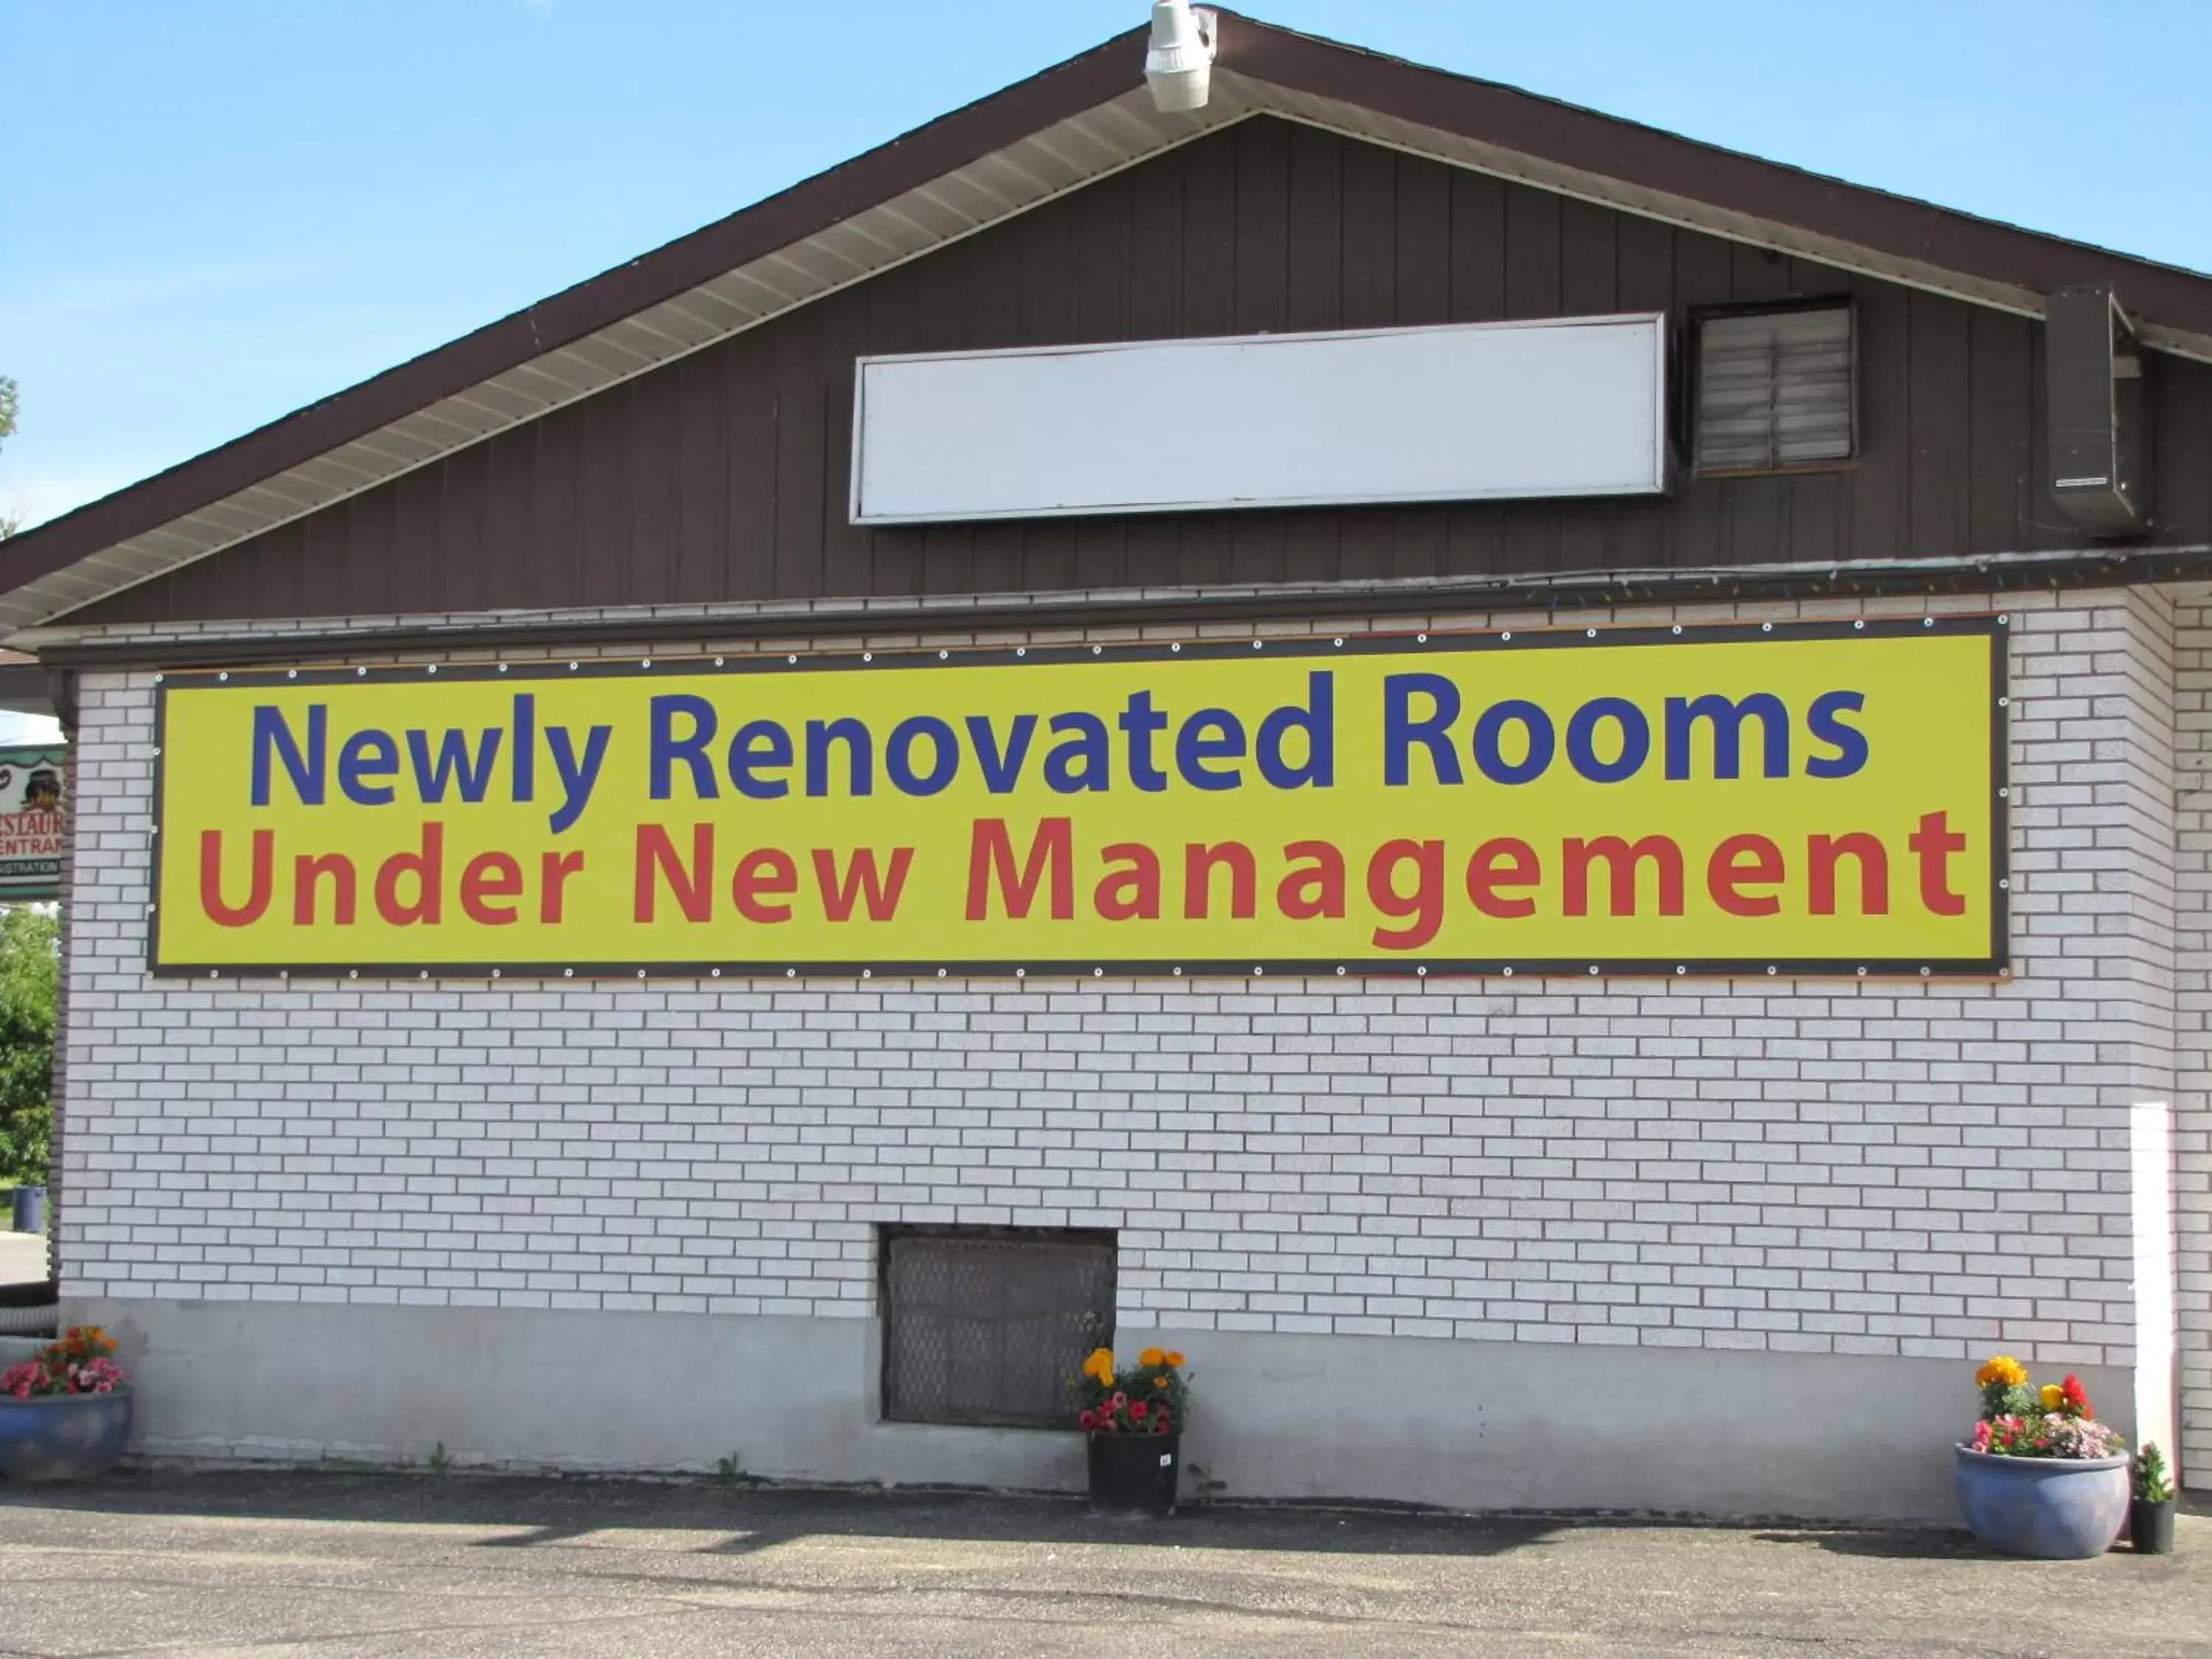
{"points": [[1465, 412]]}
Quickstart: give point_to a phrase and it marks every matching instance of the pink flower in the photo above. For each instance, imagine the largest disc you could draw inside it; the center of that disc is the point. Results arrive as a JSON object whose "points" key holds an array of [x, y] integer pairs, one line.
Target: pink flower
{"points": [[1119, 1401], [1087, 1421], [1980, 1442]]}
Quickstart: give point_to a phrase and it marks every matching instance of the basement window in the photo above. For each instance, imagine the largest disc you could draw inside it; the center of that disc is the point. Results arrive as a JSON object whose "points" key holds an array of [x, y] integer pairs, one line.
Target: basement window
{"points": [[1776, 388], [990, 1325]]}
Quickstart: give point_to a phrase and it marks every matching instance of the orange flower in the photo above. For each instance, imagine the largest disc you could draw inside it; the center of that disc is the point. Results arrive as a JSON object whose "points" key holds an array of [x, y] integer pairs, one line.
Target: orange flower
{"points": [[1152, 1357], [1174, 1359], [2001, 1368]]}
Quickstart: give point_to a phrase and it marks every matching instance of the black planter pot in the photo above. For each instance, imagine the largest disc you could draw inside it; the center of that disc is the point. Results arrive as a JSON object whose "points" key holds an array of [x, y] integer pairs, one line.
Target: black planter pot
{"points": [[2151, 1526], [1135, 1472]]}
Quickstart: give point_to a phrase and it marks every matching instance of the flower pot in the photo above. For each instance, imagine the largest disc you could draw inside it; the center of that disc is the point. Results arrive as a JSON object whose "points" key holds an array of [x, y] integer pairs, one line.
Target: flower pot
{"points": [[2151, 1527], [28, 1205], [1135, 1471], [2054, 1509], [64, 1436]]}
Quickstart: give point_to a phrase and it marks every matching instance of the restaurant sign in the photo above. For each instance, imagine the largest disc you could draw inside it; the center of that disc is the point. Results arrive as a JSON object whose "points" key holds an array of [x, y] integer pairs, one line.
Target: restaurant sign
{"points": [[31, 782], [1751, 798]]}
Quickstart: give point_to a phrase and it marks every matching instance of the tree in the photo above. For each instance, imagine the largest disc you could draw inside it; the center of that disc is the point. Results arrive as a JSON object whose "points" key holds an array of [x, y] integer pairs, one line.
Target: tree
{"points": [[30, 987], [8, 523]]}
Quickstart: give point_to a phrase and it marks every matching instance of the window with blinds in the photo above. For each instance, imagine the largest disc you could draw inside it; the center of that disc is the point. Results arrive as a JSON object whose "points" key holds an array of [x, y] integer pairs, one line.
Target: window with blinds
{"points": [[991, 1325], [1775, 389]]}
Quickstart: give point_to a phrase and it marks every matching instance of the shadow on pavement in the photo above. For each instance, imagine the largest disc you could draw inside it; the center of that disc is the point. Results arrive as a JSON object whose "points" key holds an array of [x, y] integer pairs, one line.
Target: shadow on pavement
{"points": [[1902, 1545], [526, 1512]]}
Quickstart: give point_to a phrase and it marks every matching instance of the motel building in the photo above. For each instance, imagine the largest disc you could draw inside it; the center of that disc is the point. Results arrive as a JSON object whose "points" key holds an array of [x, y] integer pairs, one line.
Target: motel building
{"points": [[1538, 789]]}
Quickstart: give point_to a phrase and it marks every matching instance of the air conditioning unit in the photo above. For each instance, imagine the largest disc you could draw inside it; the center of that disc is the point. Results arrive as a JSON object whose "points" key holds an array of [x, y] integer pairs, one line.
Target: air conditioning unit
{"points": [[2097, 411]]}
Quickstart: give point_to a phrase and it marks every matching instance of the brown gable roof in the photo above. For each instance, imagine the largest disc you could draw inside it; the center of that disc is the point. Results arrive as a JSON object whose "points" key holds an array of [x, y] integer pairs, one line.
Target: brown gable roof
{"points": [[1055, 131]]}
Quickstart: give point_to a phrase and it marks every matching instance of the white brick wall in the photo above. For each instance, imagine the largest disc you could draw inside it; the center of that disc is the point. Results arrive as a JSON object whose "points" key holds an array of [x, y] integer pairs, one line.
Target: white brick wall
{"points": [[1917, 1167], [2193, 1020]]}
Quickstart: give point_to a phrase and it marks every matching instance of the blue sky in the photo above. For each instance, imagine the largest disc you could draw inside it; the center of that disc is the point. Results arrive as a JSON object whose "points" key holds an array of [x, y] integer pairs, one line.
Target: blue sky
{"points": [[214, 213]]}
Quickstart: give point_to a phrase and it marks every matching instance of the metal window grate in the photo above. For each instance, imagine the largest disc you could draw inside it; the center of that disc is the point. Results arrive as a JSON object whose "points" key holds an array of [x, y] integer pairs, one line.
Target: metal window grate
{"points": [[1774, 389], [990, 1326]]}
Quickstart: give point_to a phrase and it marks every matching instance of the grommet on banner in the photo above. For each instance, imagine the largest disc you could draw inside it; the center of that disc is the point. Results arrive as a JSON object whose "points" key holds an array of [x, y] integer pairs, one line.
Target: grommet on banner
{"points": [[1421, 973], [943, 655], [224, 675], [1766, 628], [1177, 972], [1677, 628], [1257, 970], [1021, 973], [1508, 972], [1923, 973], [1860, 623], [1593, 967], [567, 973], [714, 972], [502, 668], [1590, 633], [1175, 646], [291, 673], [431, 669], [1256, 644], [940, 973], [1862, 973], [1507, 635], [1421, 639]]}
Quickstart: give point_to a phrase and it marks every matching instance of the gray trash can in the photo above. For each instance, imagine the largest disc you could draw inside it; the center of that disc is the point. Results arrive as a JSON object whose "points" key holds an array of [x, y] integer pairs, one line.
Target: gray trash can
{"points": [[30, 1209]]}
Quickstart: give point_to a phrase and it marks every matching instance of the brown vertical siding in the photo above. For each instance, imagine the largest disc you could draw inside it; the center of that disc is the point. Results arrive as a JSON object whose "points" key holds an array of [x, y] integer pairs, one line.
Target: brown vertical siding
{"points": [[724, 475]]}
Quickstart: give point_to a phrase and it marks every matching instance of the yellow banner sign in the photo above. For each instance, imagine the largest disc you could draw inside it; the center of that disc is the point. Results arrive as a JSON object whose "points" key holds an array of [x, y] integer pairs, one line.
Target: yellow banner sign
{"points": [[1824, 798]]}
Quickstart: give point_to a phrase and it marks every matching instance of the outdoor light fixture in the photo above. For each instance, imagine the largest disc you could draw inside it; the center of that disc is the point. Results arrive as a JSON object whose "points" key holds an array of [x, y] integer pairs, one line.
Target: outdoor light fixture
{"points": [[1179, 63]]}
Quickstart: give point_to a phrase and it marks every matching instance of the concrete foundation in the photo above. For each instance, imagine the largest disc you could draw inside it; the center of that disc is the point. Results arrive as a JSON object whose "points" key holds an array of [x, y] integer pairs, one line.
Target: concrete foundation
{"points": [[1463, 1424]]}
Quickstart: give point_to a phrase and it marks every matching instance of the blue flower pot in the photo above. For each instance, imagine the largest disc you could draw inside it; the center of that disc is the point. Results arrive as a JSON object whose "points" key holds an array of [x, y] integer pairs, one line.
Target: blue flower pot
{"points": [[2054, 1509], [64, 1436]]}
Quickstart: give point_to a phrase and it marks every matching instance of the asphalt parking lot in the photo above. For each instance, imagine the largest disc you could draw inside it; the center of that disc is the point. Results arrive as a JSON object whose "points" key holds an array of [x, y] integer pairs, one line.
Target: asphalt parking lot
{"points": [[208, 1563], [23, 1255]]}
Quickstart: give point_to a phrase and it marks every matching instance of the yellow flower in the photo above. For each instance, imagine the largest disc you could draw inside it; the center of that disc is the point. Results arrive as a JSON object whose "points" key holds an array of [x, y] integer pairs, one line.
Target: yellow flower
{"points": [[2053, 1396], [2003, 1368], [1174, 1359], [1100, 1365], [1152, 1357]]}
